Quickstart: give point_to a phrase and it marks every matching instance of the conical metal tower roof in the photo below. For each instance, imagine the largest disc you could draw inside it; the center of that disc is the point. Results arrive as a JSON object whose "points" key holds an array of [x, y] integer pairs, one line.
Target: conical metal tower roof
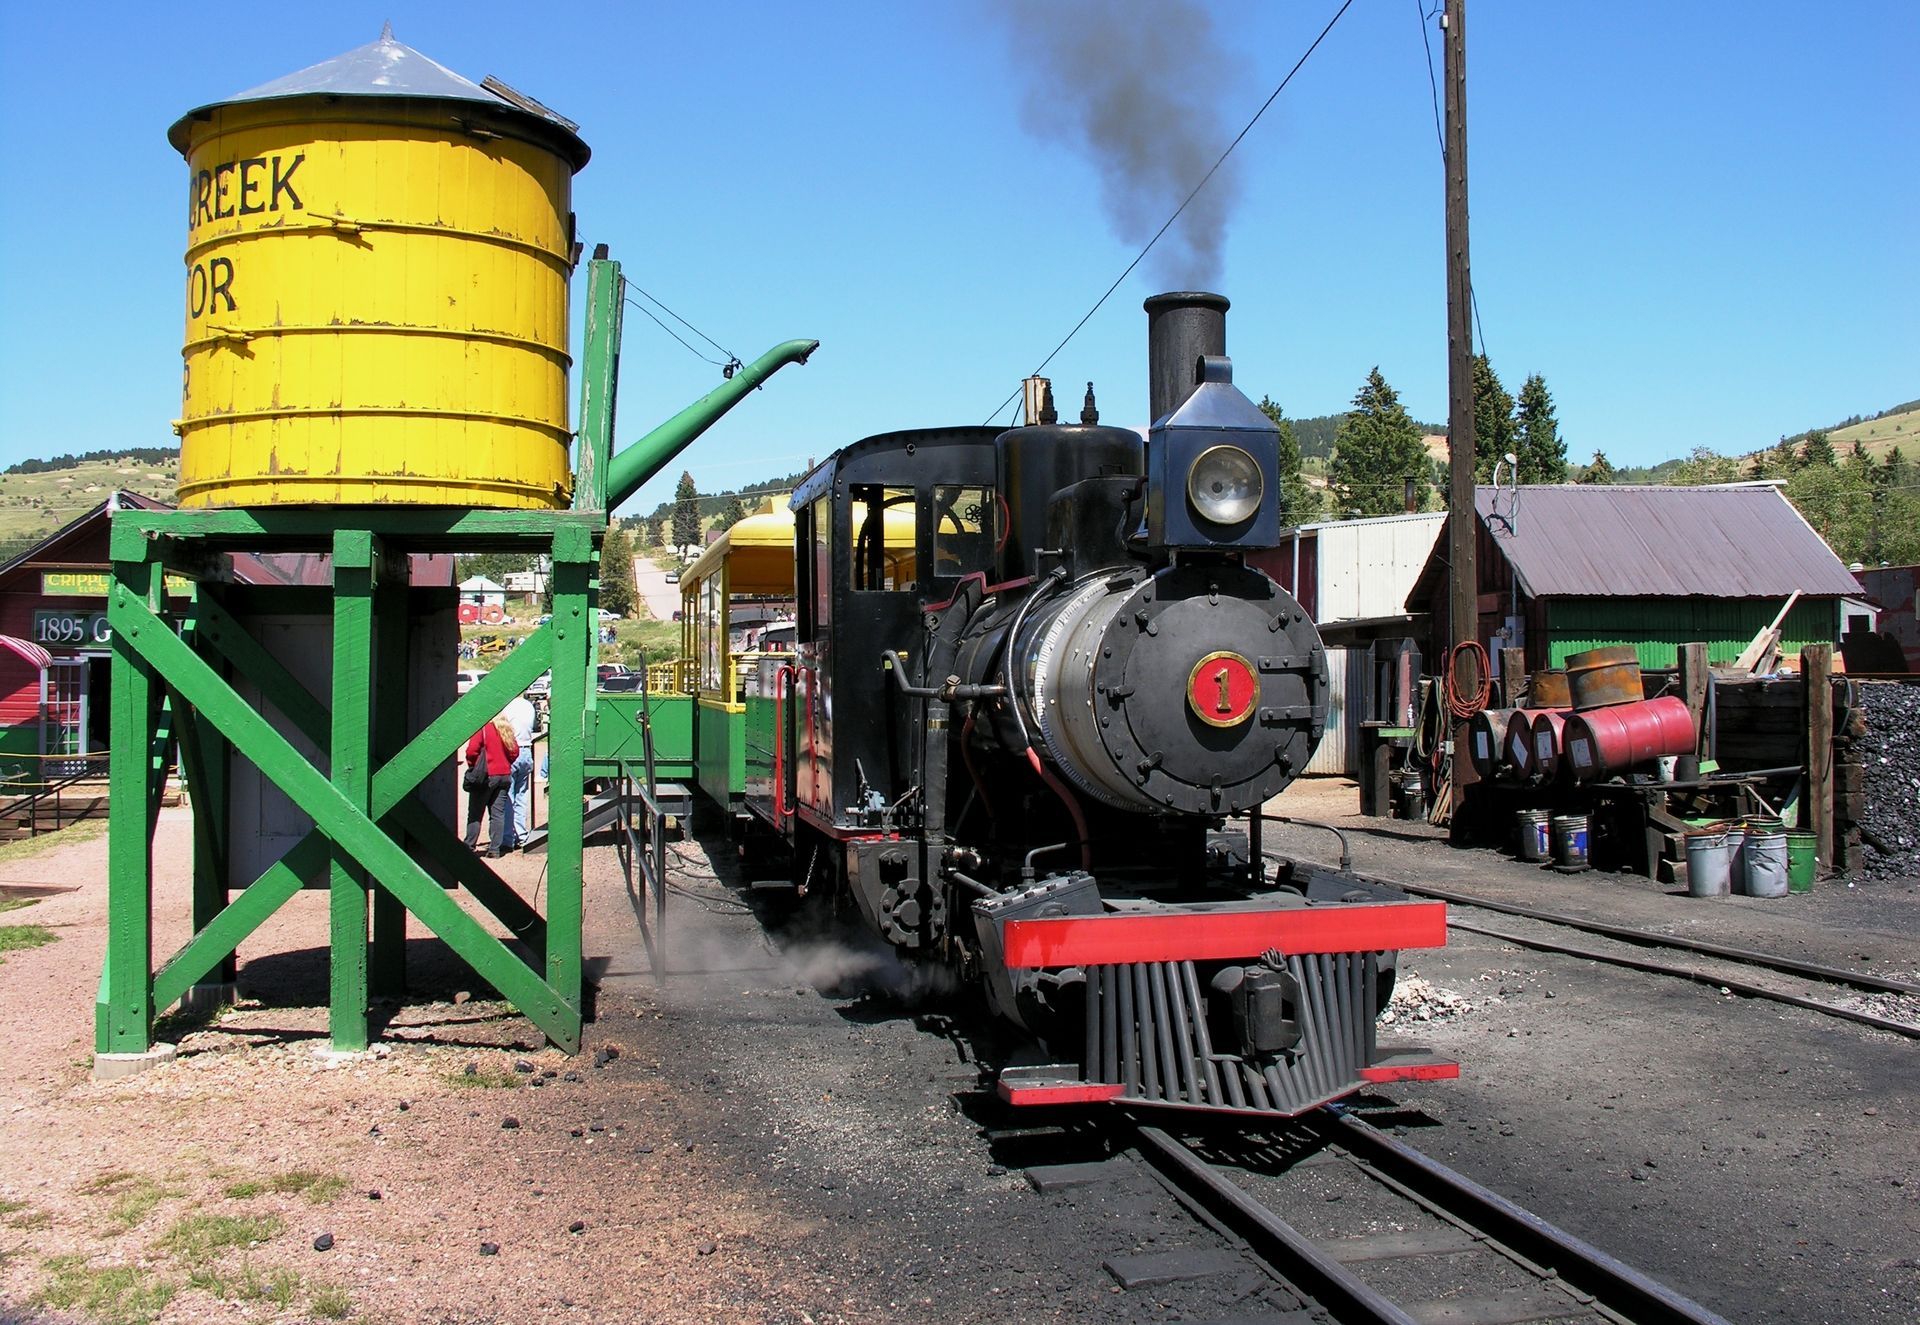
{"points": [[390, 68]]}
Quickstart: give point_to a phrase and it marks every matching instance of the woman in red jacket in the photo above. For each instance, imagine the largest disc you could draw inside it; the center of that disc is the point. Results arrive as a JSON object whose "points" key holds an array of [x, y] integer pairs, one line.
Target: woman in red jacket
{"points": [[493, 750]]}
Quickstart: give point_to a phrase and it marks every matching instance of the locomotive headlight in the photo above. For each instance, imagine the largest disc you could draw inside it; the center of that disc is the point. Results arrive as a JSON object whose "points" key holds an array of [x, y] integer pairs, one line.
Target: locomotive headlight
{"points": [[1224, 485]]}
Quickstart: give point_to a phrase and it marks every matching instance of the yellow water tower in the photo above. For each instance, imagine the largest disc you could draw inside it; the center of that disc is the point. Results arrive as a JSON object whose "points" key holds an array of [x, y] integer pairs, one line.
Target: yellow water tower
{"points": [[378, 253]]}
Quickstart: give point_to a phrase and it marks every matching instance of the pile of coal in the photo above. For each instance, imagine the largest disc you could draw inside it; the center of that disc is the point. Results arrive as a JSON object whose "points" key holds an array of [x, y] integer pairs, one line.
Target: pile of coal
{"points": [[1890, 755]]}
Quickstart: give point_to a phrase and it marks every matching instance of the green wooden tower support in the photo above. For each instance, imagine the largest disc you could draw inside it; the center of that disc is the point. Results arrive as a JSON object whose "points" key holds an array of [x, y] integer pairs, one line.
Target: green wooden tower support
{"points": [[185, 671]]}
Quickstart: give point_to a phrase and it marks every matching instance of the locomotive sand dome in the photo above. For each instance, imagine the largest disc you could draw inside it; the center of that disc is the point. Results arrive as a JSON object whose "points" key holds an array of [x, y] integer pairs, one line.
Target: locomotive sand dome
{"points": [[377, 259]]}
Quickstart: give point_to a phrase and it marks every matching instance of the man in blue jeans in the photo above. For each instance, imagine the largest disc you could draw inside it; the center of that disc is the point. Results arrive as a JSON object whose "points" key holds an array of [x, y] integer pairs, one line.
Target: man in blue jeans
{"points": [[519, 714]]}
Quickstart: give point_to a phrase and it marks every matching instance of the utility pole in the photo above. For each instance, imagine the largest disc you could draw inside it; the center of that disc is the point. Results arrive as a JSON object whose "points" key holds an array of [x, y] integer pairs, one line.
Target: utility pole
{"points": [[1463, 602]]}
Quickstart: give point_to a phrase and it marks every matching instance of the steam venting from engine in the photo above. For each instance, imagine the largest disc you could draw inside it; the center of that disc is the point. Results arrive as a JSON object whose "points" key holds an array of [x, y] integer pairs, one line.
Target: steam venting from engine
{"points": [[1135, 82]]}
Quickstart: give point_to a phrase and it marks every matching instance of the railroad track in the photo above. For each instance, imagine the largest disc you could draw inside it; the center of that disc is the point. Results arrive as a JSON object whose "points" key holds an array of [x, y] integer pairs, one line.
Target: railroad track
{"points": [[1370, 1230], [1738, 970]]}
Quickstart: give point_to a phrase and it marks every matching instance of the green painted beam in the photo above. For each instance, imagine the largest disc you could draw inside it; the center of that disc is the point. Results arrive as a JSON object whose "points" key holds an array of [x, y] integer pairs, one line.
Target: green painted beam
{"points": [[575, 630], [599, 383], [123, 1015], [344, 824], [250, 658], [445, 528], [238, 919], [350, 761]]}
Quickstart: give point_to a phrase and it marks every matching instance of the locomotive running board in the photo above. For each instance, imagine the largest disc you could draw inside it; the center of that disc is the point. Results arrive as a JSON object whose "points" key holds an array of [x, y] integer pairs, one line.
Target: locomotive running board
{"points": [[1222, 935]]}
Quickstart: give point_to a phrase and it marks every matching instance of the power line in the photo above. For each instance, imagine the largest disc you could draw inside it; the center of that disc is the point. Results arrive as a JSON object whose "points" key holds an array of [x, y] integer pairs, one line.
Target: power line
{"points": [[733, 360], [634, 303], [1141, 256]]}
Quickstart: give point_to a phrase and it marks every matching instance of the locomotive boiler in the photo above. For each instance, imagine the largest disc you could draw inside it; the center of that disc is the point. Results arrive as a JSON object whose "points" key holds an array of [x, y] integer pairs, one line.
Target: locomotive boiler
{"points": [[1038, 701]]}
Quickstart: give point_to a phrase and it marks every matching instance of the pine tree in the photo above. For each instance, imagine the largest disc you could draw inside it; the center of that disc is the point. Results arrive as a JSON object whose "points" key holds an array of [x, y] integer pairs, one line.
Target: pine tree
{"points": [[616, 571], [1818, 450], [686, 514], [732, 511], [1542, 451], [1492, 419], [1600, 470], [1376, 449], [1299, 503]]}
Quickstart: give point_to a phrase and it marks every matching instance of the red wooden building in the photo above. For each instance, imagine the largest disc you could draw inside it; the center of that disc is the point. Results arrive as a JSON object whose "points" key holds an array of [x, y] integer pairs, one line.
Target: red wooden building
{"points": [[55, 595]]}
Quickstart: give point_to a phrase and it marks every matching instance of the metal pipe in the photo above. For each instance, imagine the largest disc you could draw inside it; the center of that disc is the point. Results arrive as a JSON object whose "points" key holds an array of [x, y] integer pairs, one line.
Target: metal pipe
{"points": [[1026, 866], [971, 884], [643, 459], [897, 665], [1346, 852]]}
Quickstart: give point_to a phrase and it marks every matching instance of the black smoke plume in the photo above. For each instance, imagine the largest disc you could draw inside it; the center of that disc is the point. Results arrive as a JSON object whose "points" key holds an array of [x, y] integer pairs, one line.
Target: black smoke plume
{"points": [[1136, 82]]}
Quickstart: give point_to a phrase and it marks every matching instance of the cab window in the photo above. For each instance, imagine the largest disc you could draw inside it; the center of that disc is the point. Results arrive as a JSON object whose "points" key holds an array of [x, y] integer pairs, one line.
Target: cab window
{"points": [[965, 521], [886, 537]]}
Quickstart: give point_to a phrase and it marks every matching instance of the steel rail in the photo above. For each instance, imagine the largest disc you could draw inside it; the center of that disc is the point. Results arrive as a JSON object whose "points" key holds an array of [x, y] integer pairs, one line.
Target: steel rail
{"points": [[1647, 938], [1734, 983], [1616, 1286], [1291, 1253]]}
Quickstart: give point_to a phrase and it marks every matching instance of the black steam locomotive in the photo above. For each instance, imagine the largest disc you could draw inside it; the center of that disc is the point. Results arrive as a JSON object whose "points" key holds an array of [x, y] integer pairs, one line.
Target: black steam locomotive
{"points": [[1037, 701]]}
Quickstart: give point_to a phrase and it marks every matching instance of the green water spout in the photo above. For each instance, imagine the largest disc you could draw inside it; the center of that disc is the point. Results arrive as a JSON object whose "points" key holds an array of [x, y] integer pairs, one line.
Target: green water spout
{"points": [[639, 462]]}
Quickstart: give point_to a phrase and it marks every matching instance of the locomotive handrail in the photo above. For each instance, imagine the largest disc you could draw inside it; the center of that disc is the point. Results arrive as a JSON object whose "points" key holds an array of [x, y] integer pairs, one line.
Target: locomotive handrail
{"points": [[782, 808]]}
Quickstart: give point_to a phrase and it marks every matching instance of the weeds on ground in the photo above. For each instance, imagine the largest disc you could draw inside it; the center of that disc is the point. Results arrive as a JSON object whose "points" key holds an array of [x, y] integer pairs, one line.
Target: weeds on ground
{"points": [[200, 1237], [134, 1196], [330, 1302], [79, 830], [319, 1188], [18, 938], [247, 1283], [31, 1221], [10, 1207], [111, 1294], [15, 903]]}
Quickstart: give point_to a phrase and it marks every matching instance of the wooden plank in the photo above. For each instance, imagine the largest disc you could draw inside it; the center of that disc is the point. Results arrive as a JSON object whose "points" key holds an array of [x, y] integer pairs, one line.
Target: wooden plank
{"points": [[1514, 680], [1693, 689], [1816, 668]]}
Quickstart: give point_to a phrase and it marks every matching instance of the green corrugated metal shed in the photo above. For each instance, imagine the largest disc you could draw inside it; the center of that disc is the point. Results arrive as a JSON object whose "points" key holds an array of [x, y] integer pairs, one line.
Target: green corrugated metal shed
{"points": [[1656, 627]]}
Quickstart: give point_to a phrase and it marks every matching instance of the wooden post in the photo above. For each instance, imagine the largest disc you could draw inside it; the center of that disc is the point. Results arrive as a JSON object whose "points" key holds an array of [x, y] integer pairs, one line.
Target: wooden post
{"points": [[1513, 677], [1463, 600], [1816, 672], [1693, 689]]}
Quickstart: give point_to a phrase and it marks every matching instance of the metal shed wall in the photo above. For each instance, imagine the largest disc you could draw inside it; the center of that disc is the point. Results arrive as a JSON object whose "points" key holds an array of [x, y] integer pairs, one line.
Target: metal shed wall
{"points": [[1656, 627], [1367, 567], [1338, 747]]}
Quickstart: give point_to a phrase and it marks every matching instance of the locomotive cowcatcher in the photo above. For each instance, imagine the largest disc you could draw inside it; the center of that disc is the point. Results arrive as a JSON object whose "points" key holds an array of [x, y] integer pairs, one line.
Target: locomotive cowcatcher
{"points": [[1038, 699]]}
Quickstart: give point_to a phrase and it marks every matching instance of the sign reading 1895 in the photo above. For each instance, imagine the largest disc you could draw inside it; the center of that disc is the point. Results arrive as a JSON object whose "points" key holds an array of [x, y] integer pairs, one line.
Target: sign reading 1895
{"points": [[79, 630]]}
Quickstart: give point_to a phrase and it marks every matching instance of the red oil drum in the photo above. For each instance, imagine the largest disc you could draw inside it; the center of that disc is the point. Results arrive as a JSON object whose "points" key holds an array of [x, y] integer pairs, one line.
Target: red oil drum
{"points": [[1622, 736], [1487, 741], [1600, 677], [1519, 744], [1549, 727]]}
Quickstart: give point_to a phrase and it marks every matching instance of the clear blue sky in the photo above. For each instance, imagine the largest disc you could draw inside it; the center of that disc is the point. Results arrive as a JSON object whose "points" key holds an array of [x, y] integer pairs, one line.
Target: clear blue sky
{"points": [[1701, 222]]}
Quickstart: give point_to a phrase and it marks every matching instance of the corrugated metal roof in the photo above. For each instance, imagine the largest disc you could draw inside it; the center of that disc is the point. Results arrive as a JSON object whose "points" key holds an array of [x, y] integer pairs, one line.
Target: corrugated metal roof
{"points": [[1731, 541], [1742, 540], [389, 68]]}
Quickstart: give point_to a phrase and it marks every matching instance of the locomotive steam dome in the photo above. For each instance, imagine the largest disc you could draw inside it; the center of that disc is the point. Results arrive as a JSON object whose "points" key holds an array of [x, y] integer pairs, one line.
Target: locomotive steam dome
{"points": [[377, 259]]}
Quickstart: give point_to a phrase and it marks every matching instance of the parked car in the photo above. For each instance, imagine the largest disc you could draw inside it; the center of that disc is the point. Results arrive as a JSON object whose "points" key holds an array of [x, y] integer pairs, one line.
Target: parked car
{"points": [[609, 616], [673, 577], [625, 683], [542, 685], [612, 669], [464, 681]]}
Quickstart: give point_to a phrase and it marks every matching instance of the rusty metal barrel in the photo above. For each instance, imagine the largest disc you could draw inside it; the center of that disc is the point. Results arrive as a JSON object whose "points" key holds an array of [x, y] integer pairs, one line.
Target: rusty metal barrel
{"points": [[1548, 690], [1600, 677]]}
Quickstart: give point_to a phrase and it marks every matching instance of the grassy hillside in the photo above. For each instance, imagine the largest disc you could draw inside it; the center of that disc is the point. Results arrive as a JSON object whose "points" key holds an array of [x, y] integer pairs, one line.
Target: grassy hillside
{"points": [[1881, 435], [34, 505]]}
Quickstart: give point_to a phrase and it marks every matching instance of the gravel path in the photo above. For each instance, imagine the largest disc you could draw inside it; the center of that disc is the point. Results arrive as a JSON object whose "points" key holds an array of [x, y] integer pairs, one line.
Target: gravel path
{"points": [[778, 1131]]}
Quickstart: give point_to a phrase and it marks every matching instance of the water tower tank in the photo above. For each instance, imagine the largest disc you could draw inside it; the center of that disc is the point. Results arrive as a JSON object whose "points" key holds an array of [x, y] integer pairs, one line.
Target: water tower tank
{"points": [[377, 261]]}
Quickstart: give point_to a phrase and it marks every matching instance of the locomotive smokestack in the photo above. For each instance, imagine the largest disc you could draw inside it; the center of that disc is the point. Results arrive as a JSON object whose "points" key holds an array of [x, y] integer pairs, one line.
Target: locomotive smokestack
{"points": [[1182, 327]]}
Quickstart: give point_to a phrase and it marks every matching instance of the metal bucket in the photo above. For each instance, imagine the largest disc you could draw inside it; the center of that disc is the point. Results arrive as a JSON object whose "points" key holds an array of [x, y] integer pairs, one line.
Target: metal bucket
{"points": [[1709, 863], [1413, 795], [1568, 833], [1600, 677], [1532, 841], [1548, 690], [1801, 861], [1737, 856], [1766, 864]]}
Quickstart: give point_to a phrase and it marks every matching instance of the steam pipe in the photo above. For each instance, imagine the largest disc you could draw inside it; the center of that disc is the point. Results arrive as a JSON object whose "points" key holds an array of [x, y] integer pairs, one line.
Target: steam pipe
{"points": [[643, 459]]}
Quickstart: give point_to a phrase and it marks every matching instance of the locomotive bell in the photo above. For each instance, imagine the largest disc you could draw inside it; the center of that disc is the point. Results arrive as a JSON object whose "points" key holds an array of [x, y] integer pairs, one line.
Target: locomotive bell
{"points": [[1214, 469]]}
